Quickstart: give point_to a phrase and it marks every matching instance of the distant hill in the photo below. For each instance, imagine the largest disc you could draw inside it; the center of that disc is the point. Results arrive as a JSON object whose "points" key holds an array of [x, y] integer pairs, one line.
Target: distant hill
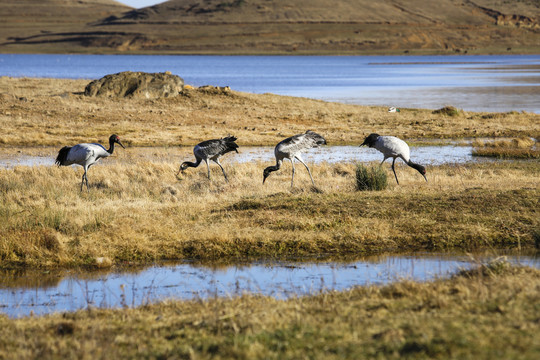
{"points": [[272, 27]]}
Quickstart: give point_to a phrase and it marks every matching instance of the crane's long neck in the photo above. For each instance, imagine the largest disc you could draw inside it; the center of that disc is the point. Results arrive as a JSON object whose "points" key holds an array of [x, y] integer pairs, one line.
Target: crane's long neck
{"points": [[418, 167], [270, 169], [187, 164], [111, 147], [274, 167], [415, 166]]}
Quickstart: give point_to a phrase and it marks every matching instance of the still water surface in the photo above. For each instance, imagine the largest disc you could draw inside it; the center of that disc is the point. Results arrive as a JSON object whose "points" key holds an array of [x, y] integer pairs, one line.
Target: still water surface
{"points": [[27, 293], [426, 155], [493, 83]]}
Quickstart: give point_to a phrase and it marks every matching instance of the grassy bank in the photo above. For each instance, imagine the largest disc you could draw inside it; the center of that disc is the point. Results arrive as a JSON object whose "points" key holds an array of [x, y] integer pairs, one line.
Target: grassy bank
{"points": [[140, 212], [490, 312], [53, 112], [520, 148]]}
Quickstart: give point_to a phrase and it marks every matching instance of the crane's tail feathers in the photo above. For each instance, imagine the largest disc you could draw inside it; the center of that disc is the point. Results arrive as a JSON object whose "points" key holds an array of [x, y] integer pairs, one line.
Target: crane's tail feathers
{"points": [[230, 144], [62, 155], [230, 138]]}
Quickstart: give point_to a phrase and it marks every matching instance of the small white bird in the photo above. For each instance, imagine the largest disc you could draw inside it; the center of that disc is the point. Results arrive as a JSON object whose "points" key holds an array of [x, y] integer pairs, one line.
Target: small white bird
{"points": [[211, 150], [291, 148], [86, 155], [393, 147]]}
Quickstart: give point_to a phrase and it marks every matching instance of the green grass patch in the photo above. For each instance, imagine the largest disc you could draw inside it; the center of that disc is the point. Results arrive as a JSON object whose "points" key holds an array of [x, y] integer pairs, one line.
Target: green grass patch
{"points": [[372, 178]]}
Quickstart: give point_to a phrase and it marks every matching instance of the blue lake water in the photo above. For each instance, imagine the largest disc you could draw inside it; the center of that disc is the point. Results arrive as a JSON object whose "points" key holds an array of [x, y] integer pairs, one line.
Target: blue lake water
{"points": [[25, 293], [474, 83]]}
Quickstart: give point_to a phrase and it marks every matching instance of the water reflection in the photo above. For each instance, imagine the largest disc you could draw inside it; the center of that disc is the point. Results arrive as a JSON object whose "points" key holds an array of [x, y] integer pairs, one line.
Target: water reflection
{"points": [[27, 293]]}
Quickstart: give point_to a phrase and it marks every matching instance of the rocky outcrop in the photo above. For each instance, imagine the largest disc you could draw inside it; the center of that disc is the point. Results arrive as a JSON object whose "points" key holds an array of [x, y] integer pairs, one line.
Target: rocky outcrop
{"points": [[137, 85]]}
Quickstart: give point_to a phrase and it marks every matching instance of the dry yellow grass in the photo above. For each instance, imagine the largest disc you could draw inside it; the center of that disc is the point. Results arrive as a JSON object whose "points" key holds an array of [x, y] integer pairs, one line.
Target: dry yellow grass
{"points": [[52, 112], [140, 212], [518, 148]]}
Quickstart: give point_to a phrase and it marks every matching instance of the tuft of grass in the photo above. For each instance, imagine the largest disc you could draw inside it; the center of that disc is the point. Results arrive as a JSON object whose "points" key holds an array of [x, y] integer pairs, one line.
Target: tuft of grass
{"points": [[517, 148], [447, 110], [373, 178]]}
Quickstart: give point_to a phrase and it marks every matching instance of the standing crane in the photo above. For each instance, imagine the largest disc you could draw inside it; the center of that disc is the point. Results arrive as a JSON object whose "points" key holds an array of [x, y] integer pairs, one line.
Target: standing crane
{"points": [[86, 155], [393, 147], [211, 150], [292, 148]]}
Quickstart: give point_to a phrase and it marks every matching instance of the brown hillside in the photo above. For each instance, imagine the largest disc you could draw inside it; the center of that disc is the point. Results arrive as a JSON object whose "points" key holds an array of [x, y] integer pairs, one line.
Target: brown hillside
{"points": [[26, 24], [274, 26]]}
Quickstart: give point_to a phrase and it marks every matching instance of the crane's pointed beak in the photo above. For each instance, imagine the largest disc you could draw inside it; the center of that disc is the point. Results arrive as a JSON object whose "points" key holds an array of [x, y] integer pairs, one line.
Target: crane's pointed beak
{"points": [[236, 151], [119, 143], [425, 177]]}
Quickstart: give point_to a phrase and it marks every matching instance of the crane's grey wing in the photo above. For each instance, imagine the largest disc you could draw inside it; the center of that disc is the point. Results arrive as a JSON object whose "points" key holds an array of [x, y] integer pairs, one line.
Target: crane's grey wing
{"points": [[291, 144], [211, 148], [79, 154], [300, 142]]}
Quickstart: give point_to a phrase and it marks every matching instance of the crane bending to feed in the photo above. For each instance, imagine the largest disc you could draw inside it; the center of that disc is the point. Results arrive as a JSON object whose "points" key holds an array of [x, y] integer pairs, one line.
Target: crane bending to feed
{"points": [[85, 155], [393, 147], [211, 150], [292, 148]]}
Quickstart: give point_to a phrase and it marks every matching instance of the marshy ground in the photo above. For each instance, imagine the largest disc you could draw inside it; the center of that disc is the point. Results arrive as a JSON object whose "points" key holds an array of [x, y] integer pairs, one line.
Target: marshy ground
{"points": [[138, 212], [491, 312]]}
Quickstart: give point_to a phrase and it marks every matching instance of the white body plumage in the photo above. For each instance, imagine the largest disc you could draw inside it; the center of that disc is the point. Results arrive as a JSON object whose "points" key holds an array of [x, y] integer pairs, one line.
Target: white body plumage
{"points": [[86, 155], [393, 147]]}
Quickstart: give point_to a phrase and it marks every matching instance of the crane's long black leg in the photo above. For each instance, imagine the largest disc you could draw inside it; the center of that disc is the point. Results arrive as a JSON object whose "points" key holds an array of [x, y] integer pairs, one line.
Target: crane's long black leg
{"points": [[82, 181], [208, 166], [394, 170], [292, 179], [309, 171], [222, 169]]}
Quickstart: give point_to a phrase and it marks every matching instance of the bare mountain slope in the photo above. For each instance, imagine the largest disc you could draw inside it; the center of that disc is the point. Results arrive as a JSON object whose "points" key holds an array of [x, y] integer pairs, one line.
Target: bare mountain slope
{"points": [[283, 11], [289, 26]]}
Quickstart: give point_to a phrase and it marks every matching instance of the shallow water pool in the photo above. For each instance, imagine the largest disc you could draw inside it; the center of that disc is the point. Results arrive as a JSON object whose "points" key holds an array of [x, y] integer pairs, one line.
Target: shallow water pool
{"points": [[25, 293]]}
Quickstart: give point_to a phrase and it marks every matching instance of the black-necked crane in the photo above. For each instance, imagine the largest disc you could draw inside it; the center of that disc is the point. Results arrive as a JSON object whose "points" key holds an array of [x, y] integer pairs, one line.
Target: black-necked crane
{"points": [[292, 148], [393, 147], [86, 155], [211, 150]]}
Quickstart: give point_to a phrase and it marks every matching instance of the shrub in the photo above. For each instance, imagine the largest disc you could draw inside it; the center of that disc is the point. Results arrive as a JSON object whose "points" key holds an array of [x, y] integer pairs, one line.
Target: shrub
{"points": [[373, 178], [447, 110]]}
